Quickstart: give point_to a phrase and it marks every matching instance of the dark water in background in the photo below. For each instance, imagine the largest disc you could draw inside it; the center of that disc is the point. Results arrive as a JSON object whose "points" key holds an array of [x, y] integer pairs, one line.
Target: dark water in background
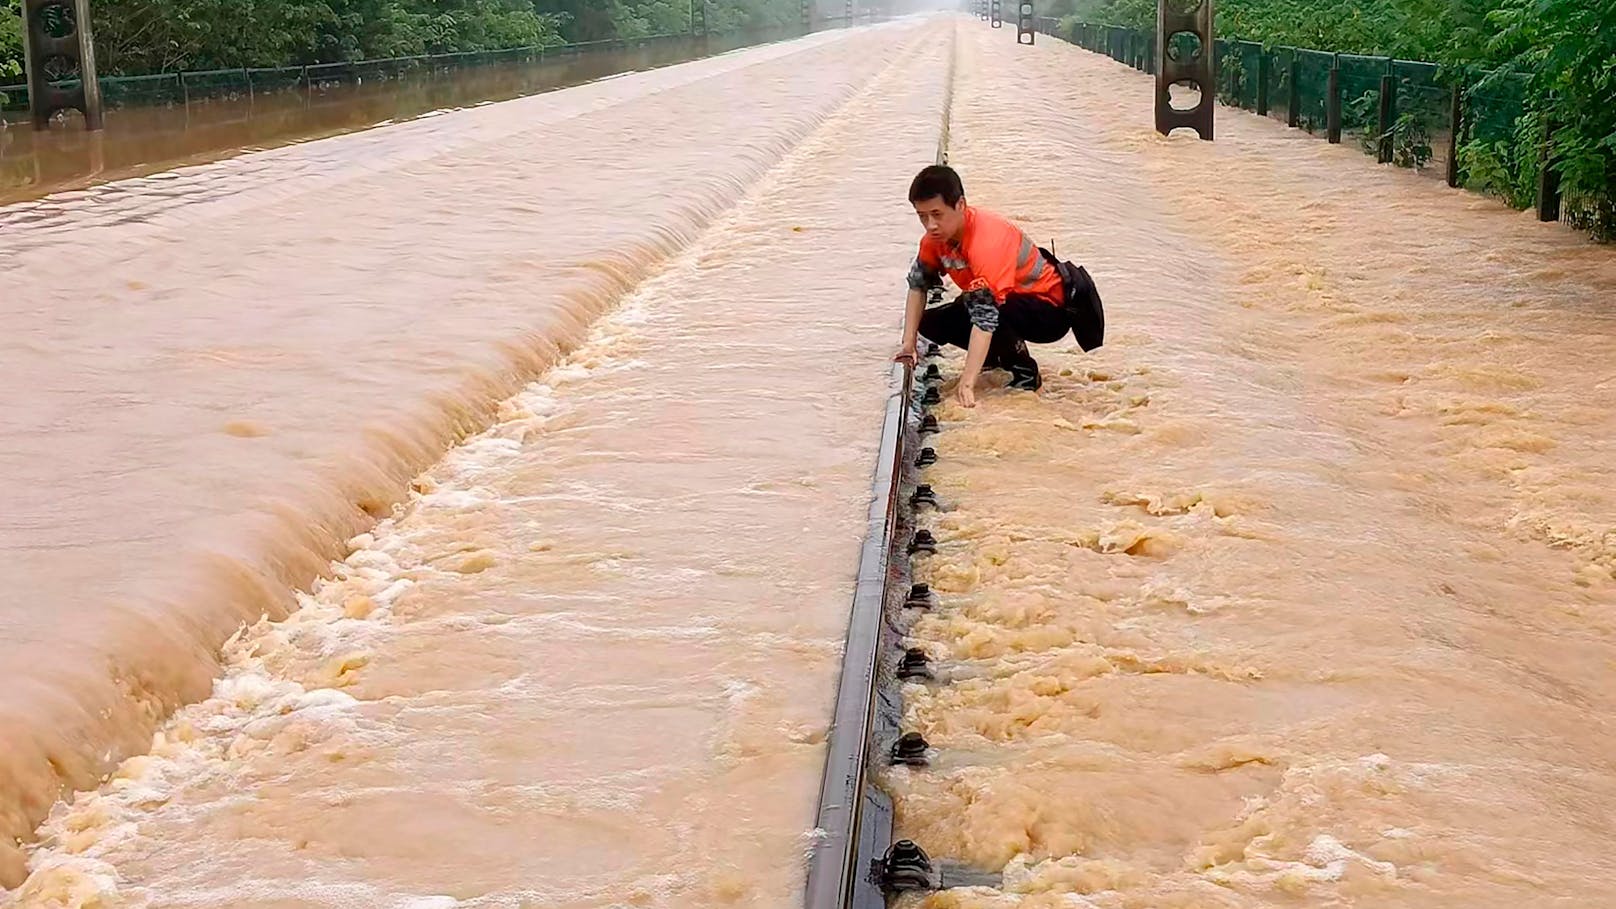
{"points": [[140, 140]]}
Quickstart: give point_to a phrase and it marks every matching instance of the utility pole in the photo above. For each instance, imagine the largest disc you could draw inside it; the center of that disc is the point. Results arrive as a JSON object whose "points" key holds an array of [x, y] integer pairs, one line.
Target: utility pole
{"points": [[59, 56]]}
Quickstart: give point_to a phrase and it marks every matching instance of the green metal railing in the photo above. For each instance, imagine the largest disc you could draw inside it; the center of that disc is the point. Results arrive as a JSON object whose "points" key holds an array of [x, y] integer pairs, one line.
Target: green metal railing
{"points": [[1477, 129], [185, 87]]}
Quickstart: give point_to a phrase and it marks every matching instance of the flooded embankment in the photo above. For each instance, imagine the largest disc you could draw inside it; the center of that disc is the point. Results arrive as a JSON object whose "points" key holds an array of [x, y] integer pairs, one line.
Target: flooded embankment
{"points": [[222, 374]]}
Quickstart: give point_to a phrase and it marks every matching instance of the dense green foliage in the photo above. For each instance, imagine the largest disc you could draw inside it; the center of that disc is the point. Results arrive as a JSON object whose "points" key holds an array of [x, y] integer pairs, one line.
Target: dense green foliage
{"points": [[10, 40], [1567, 48], [147, 36], [1435, 30]]}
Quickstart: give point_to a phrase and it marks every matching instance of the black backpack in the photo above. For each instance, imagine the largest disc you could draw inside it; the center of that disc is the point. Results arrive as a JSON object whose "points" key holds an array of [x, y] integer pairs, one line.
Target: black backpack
{"points": [[1083, 309]]}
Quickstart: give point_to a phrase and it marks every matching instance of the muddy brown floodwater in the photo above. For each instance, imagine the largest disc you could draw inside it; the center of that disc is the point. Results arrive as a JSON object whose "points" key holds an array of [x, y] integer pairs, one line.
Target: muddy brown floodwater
{"points": [[1300, 592], [590, 661]]}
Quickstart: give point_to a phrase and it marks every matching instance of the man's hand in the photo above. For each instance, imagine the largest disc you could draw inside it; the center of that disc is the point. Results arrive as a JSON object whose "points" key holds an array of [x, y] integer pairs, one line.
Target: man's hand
{"points": [[905, 354], [975, 354], [965, 393]]}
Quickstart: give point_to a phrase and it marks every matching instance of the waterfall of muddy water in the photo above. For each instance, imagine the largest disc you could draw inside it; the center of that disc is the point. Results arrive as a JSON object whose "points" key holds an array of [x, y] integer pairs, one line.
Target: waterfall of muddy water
{"points": [[218, 378], [143, 139], [1299, 592]]}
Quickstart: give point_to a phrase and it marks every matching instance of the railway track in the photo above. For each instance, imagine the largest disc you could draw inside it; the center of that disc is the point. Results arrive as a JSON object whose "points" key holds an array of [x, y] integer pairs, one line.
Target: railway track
{"points": [[855, 863]]}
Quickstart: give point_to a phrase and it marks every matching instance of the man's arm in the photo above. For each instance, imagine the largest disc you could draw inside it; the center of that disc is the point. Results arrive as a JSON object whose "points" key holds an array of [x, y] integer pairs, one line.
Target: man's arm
{"points": [[975, 355], [923, 276], [984, 312], [913, 309]]}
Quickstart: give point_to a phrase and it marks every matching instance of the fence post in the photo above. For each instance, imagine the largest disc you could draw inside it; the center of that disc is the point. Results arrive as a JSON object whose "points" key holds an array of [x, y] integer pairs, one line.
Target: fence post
{"points": [[75, 44], [1388, 114], [1332, 104], [1548, 179], [1293, 99], [1263, 67], [1455, 126]]}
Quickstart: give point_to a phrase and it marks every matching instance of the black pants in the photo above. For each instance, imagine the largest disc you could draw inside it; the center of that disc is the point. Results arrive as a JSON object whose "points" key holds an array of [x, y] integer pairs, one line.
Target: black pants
{"points": [[1021, 318]]}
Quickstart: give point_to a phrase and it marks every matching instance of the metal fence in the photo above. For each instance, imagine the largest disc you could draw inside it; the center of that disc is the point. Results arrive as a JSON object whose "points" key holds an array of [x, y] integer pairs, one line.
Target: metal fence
{"points": [[1475, 129], [186, 87]]}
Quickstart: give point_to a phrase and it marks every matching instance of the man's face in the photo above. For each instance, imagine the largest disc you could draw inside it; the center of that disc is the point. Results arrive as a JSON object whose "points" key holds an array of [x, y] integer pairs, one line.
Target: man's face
{"points": [[943, 222]]}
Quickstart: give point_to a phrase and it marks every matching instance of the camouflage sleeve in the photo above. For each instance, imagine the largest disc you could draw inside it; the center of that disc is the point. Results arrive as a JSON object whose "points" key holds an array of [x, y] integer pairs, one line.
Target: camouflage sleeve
{"points": [[923, 278], [983, 310]]}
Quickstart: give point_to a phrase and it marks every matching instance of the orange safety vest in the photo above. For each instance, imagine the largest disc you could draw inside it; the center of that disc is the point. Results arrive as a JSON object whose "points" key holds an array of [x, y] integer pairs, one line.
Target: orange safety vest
{"points": [[994, 255]]}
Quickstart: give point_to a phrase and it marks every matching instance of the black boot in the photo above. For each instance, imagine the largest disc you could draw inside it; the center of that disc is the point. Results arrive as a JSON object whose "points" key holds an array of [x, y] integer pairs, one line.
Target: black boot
{"points": [[1025, 377], [1023, 369]]}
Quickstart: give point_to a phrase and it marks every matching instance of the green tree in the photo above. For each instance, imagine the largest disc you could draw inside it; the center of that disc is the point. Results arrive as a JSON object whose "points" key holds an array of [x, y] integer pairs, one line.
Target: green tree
{"points": [[10, 40]]}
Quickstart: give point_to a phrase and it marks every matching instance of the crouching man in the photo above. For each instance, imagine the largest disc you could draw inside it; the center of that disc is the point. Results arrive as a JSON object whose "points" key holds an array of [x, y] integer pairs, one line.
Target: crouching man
{"points": [[1013, 291]]}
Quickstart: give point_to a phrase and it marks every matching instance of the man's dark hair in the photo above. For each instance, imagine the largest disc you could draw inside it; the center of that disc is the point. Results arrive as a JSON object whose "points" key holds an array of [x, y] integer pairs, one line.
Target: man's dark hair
{"points": [[937, 180]]}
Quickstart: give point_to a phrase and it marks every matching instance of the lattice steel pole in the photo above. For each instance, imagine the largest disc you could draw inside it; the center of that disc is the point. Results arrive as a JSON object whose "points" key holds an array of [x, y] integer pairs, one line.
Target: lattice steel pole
{"points": [[59, 47], [1198, 70]]}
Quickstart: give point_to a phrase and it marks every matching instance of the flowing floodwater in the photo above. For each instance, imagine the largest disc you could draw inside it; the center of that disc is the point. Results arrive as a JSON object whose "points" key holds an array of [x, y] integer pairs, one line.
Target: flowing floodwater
{"points": [[590, 663], [1300, 592], [175, 128]]}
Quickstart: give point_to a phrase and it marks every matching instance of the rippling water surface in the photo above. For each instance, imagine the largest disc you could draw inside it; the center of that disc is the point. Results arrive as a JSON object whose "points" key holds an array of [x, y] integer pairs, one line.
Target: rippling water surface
{"points": [[590, 661], [1300, 592]]}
